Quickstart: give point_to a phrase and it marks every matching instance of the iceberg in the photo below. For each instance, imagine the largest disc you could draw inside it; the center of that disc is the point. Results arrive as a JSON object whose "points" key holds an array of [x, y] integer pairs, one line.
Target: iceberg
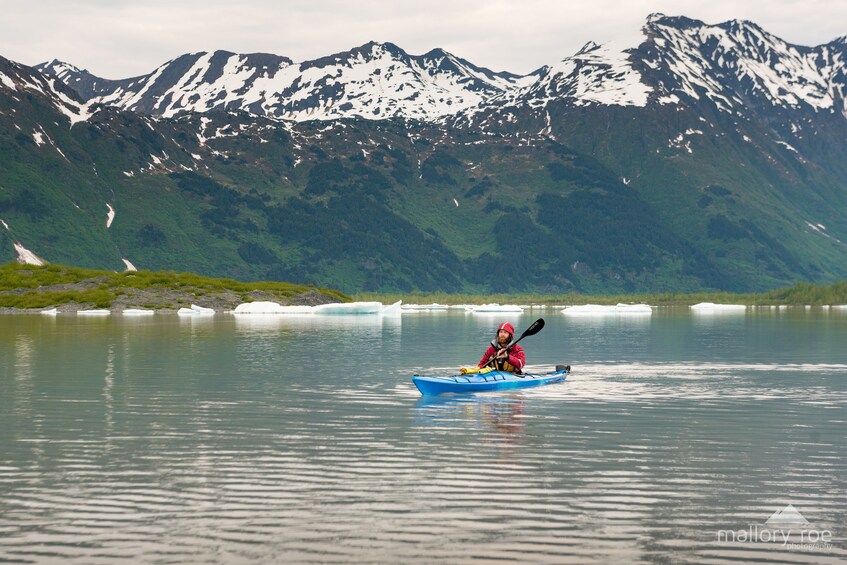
{"points": [[347, 308], [712, 307], [195, 311], [267, 307], [417, 307], [392, 309], [137, 312], [485, 308], [50, 312], [93, 312], [605, 310], [334, 309]]}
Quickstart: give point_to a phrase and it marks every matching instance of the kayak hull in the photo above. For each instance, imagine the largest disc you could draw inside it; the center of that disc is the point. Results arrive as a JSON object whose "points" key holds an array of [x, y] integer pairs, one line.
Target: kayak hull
{"points": [[494, 380]]}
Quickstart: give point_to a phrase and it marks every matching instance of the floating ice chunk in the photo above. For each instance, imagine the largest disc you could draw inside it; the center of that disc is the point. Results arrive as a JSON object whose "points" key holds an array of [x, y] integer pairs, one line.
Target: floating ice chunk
{"points": [[263, 307], [202, 311], [433, 306], [496, 308], [50, 312], [349, 308], [392, 309], [712, 307], [607, 310], [185, 312], [138, 312], [297, 309], [99, 312]]}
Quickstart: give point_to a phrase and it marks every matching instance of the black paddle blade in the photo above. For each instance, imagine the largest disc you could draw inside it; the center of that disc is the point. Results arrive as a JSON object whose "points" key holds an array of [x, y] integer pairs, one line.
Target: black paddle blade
{"points": [[531, 330], [536, 327]]}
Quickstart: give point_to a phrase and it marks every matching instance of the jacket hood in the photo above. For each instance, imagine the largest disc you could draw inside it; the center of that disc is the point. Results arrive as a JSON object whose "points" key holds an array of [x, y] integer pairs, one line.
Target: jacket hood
{"points": [[508, 327]]}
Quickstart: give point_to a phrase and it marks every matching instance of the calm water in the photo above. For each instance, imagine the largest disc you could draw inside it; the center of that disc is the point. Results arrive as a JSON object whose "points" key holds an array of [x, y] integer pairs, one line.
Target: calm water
{"points": [[224, 440]]}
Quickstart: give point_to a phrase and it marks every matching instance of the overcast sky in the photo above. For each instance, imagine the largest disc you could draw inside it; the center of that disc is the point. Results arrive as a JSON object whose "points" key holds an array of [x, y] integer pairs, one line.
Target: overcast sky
{"points": [[123, 38]]}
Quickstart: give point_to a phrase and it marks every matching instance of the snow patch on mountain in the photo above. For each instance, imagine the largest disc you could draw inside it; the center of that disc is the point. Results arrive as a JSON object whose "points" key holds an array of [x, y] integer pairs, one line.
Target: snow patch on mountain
{"points": [[733, 65], [27, 257], [374, 81], [734, 61], [598, 74], [14, 76], [7, 81]]}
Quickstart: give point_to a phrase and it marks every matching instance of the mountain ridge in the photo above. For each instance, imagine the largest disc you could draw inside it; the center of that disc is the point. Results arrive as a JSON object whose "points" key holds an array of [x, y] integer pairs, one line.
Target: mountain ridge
{"points": [[683, 163], [363, 82]]}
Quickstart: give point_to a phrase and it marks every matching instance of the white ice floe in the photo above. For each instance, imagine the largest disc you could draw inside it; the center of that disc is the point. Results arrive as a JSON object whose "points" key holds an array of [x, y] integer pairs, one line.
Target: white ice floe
{"points": [[195, 311], [99, 312], [138, 312], [392, 309], [433, 306], [267, 307], [334, 309], [50, 312], [712, 307], [349, 308], [485, 308], [606, 310]]}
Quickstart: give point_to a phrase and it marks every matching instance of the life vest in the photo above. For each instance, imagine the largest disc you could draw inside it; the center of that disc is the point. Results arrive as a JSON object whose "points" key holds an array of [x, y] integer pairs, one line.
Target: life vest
{"points": [[503, 365]]}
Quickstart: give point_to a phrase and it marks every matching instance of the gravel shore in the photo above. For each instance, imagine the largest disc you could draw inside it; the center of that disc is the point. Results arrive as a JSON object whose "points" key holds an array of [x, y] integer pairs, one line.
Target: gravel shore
{"points": [[171, 300]]}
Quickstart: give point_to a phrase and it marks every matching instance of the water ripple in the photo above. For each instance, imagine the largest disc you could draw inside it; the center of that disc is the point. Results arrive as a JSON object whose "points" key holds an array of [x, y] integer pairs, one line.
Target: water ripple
{"points": [[149, 462]]}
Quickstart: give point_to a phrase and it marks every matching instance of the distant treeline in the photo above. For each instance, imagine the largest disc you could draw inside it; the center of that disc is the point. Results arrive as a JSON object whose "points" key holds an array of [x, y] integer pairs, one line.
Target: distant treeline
{"points": [[799, 294]]}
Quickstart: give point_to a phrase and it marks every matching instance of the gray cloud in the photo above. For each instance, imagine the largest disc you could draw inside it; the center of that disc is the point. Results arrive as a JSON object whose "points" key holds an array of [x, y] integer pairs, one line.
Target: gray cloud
{"points": [[122, 38]]}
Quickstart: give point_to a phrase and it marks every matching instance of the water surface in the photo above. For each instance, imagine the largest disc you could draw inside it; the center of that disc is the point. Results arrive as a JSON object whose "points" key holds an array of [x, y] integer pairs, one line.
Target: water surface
{"points": [[236, 440]]}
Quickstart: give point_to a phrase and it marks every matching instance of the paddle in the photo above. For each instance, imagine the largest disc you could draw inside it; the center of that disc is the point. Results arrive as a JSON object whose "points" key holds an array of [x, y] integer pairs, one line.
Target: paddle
{"points": [[533, 329]]}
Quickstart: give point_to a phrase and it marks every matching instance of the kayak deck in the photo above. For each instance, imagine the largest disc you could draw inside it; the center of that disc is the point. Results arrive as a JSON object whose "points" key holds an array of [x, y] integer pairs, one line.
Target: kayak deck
{"points": [[494, 380]]}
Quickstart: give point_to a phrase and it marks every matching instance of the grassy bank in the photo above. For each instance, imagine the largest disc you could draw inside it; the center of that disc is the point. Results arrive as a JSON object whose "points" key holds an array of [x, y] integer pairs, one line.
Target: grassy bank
{"points": [[799, 294], [32, 287], [28, 286]]}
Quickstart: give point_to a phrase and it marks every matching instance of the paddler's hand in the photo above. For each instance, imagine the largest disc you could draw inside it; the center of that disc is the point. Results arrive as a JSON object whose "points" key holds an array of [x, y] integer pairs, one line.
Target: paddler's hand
{"points": [[502, 354]]}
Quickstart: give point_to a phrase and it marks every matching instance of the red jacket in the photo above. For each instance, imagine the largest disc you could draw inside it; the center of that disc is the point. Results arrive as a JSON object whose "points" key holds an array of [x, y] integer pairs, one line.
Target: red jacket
{"points": [[517, 358]]}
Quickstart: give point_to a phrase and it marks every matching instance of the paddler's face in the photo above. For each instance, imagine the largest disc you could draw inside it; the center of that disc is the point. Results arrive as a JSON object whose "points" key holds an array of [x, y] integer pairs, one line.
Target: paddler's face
{"points": [[503, 336]]}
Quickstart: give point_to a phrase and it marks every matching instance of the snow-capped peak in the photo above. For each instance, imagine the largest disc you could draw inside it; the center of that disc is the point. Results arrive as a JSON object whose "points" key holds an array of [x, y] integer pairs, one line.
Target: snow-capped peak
{"points": [[374, 80], [596, 74], [732, 65], [15, 76]]}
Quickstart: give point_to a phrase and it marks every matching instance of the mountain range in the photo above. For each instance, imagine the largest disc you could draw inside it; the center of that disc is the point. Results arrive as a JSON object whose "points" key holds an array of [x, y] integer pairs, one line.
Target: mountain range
{"points": [[701, 157]]}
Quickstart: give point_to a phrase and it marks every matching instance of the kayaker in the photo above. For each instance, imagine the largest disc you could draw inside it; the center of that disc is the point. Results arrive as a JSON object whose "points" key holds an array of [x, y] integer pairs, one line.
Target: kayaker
{"points": [[504, 356]]}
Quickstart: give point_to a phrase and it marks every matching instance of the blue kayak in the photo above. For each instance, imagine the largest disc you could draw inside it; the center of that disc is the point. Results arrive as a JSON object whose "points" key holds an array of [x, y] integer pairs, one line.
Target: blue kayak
{"points": [[494, 380]]}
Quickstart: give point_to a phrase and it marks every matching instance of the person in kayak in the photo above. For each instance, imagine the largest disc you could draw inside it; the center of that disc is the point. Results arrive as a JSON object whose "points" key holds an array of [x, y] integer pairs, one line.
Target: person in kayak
{"points": [[503, 355]]}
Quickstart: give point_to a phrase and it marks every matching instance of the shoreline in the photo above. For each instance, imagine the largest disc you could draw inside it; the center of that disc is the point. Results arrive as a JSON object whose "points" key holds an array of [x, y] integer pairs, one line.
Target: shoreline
{"points": [[169, 301]]}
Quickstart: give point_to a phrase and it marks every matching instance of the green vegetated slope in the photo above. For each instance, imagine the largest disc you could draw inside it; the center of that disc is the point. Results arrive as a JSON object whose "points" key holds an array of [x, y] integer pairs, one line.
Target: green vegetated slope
{"points": [[28, 286], [612, 201]]}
